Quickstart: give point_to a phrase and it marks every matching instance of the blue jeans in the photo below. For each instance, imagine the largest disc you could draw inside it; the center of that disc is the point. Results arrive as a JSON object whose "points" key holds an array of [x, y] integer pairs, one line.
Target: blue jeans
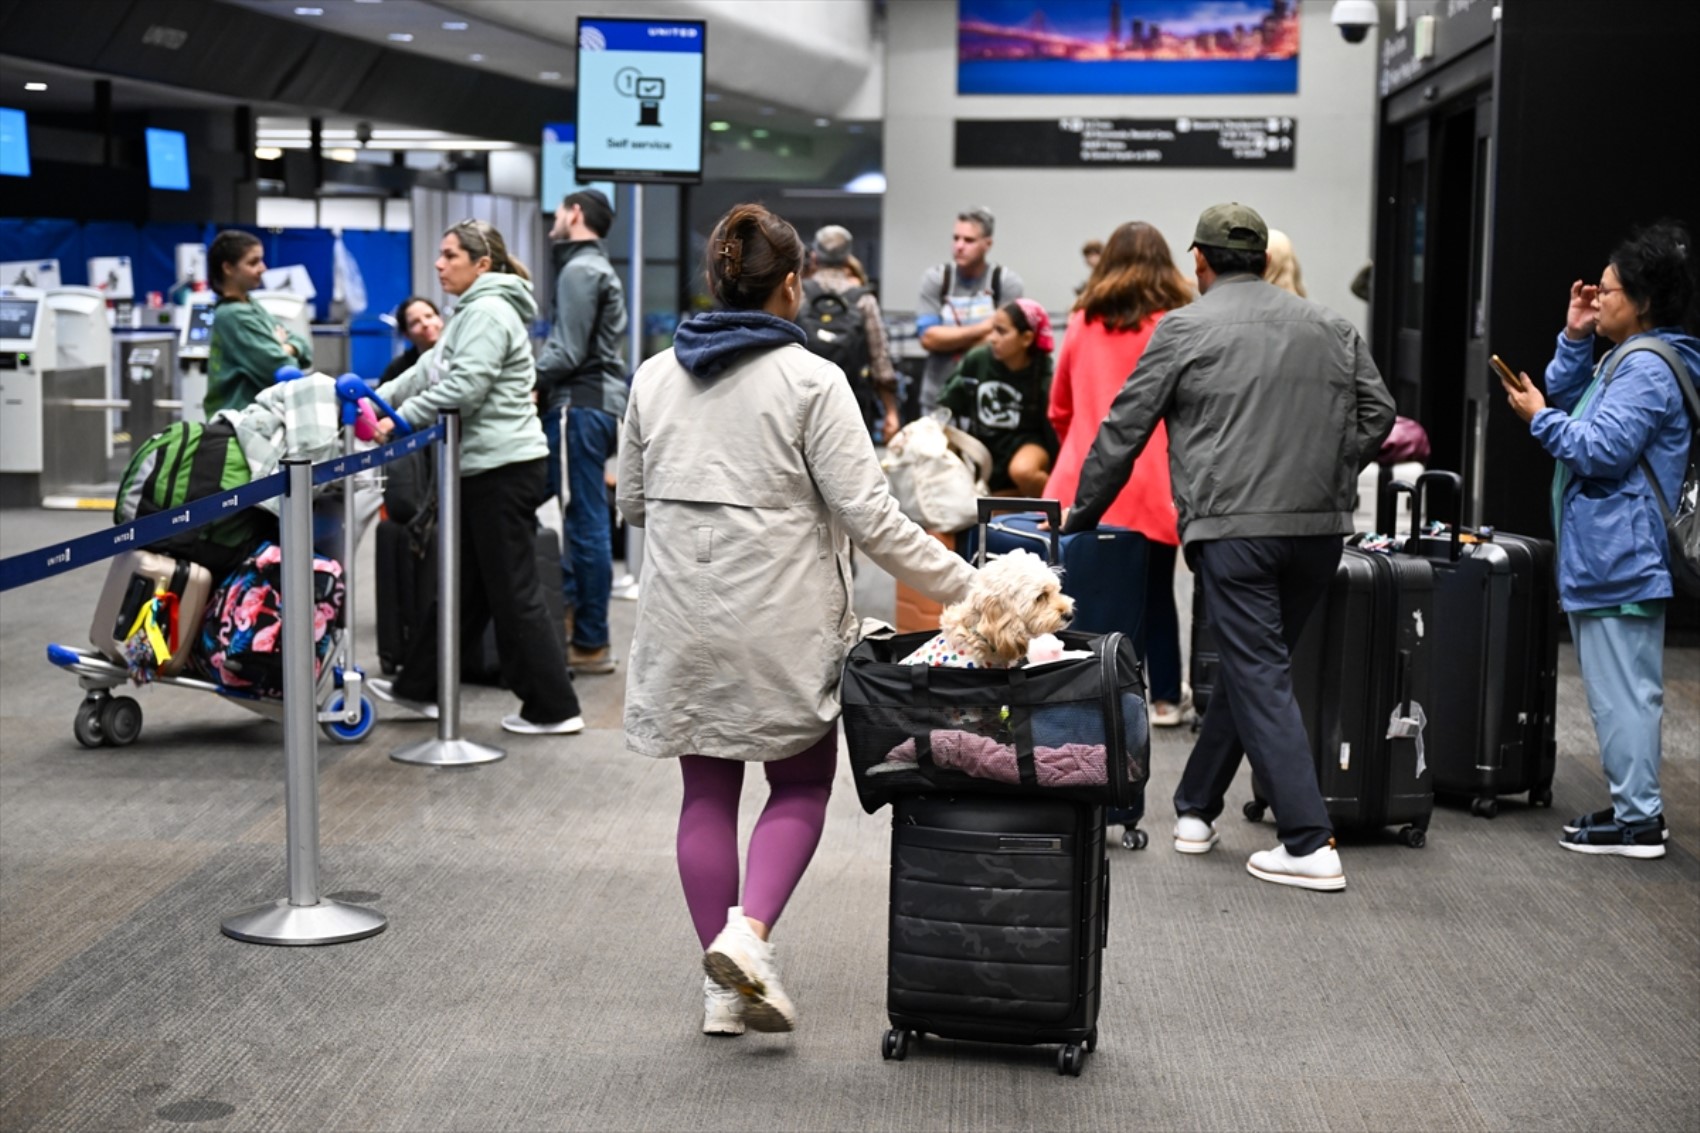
{"points": [[587, 556], [1622, 663]]}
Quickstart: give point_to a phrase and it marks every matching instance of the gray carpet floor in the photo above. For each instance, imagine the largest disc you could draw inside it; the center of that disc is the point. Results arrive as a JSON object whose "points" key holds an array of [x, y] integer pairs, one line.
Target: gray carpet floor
{"points": [[539, 971]]}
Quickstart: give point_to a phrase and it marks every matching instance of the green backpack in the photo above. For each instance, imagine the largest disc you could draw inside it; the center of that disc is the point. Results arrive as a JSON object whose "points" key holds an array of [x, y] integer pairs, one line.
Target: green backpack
{"points": [[183, 463]]}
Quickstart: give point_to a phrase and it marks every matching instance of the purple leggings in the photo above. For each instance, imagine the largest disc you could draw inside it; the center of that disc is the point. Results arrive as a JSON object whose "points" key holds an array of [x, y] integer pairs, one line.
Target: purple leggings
{"points": [[785, 837]]}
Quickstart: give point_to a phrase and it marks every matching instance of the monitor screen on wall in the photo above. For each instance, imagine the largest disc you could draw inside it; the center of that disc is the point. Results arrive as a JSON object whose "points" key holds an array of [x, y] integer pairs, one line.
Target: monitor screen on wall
{"points": [[1110, 47], [560, 158], [168, 160], [14, 143], [640, 88]]}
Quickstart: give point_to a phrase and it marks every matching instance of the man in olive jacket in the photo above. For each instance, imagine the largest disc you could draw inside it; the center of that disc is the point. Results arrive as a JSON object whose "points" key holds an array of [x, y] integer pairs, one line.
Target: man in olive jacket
{"points": [[580, 368], [1273, 407]]}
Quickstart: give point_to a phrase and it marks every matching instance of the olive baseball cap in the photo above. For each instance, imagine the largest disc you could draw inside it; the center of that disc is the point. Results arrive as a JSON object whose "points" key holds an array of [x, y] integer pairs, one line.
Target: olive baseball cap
{"points": [[1233, 226]]}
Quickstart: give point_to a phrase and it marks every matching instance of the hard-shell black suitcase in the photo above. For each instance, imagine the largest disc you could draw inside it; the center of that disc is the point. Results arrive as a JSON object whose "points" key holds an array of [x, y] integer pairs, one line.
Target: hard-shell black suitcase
{"points": [[999, 914], [1495, 649], [1203, 660], [1361, 676]]}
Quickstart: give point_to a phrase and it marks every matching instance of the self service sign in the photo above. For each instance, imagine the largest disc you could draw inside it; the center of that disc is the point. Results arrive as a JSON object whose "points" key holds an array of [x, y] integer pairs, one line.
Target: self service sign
{"points": [[640, 88]]}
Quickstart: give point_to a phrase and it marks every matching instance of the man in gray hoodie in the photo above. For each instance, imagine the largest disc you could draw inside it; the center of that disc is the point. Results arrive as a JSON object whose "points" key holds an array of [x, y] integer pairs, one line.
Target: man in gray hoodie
{"points": [[580, 369], [1273, 407]]}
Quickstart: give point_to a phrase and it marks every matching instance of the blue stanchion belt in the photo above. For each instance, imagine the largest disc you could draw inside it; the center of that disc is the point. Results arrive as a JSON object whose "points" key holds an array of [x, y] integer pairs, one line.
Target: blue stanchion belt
{"points": [[33, 566]]}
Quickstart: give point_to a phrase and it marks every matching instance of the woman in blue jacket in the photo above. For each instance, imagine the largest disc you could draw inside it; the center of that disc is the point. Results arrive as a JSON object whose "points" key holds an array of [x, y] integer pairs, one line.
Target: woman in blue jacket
{"points": [[1608, 427]]}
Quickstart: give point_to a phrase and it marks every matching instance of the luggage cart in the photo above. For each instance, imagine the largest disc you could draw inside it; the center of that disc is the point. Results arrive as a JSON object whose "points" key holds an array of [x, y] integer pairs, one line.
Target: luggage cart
{"points": [[345, 713]]}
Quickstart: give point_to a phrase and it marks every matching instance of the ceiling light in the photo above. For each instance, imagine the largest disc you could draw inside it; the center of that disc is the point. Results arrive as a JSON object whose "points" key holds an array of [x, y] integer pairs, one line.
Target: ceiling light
{"points": [[871, 182], [340, 155], [267, 153], [549, 76], [309, 11], [758, 132], [823, 121], [454, 25], [401, 36], [35, 86], [476, 57], [719, 127]]}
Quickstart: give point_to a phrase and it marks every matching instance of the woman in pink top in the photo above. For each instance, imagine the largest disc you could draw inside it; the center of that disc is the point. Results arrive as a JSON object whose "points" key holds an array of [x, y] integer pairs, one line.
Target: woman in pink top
{"points": [[1135, 282]]}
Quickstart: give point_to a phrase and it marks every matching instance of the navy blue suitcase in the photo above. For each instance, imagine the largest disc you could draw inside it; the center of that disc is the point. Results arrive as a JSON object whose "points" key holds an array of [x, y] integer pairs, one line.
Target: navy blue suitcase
{"points": [[1102, 570]]}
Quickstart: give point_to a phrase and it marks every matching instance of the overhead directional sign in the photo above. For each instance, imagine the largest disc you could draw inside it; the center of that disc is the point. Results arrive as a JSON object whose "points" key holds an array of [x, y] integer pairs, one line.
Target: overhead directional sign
{"points": [[1121, 143]]}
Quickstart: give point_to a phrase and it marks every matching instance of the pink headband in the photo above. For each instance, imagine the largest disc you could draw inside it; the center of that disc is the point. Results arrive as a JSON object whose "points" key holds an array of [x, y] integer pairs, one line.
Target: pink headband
{"points": [[1038, 322]]}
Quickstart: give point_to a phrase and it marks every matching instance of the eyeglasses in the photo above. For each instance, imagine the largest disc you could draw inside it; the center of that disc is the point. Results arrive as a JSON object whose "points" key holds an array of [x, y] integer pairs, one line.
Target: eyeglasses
{"points": [[1602, 291]]}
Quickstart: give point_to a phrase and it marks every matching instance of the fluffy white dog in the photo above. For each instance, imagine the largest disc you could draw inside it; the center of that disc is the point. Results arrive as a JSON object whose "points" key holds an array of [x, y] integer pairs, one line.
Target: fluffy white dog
{"points": [[1015, 598]]}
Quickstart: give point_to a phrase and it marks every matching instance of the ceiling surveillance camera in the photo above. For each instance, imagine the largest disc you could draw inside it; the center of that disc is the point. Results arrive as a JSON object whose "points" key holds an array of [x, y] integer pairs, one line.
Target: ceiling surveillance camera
{"points": [[1354, 18]]}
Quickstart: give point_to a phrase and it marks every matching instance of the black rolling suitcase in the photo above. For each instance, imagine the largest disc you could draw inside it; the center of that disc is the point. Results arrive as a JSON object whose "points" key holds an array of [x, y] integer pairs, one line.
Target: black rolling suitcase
{"points": [[1361, 676], [1495, 649], [1203, 659], [405, 582], [999, 915]]}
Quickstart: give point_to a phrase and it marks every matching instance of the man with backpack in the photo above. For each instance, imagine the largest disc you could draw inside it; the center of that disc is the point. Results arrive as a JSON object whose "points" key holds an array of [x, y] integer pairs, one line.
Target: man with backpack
{"points": [[580, 367], [841, 318], [958, 300]]}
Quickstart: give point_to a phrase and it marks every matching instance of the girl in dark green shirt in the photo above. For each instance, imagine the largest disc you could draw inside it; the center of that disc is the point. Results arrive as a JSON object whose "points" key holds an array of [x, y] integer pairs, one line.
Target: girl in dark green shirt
{"points": [[248, 345], [1003, 389]]}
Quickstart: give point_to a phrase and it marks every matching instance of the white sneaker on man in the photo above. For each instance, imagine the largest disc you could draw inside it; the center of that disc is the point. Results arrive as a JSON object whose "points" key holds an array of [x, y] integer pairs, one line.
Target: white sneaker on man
{"points": [[722, 1009], [384, 689], [1193, 835], [1320, 869], [742, 962], [519, 725]]}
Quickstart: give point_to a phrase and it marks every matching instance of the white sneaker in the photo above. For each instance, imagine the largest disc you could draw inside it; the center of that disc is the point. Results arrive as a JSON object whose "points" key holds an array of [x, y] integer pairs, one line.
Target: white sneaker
{"points": [[385, 690], [521, 726], [722, 1009], [741, 961], [1193, 835], [1166, 715], [1320, 869]]}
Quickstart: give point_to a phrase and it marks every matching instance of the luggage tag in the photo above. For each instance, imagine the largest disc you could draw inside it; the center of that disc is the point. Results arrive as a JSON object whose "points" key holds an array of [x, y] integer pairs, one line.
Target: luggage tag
{"points": [[1409, 727]]}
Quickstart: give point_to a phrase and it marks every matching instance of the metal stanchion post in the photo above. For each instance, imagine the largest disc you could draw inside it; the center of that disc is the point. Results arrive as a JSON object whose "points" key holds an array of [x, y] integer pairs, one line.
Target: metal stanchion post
{"points": [[303, 917], [448, 749]]}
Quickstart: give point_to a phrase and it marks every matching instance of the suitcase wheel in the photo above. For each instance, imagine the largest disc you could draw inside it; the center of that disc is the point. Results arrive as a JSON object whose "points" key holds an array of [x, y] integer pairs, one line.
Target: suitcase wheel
{"points": [[338, 732], [1484, 807], [895, 1045], [1541, 796], [107, 721], [1071, 1059], [1414, 836], [1133, 838], [1254, 811]]}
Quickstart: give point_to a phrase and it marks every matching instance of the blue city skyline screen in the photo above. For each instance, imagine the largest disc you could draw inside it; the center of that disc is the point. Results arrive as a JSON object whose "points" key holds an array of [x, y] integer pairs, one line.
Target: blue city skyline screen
{"points": [[168, 160], [14, 143], [1127, 47]]}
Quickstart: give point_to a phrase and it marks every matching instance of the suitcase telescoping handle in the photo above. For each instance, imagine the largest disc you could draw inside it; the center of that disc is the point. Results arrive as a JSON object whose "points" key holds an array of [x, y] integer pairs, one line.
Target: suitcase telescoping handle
{"points": [[1419, 495], [990, 506]]}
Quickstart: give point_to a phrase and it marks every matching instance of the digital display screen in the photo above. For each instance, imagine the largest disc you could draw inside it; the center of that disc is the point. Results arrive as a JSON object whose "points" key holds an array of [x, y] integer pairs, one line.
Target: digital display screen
{"points": [[14, 143], [199, 329], [560, 149], [640, 88], [17, 318], [1127, 47], [168, 160]]}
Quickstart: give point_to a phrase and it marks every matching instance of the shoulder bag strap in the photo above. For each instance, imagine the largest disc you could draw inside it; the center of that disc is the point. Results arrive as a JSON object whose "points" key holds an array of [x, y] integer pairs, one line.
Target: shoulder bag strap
{"points": [[1672, 359]]}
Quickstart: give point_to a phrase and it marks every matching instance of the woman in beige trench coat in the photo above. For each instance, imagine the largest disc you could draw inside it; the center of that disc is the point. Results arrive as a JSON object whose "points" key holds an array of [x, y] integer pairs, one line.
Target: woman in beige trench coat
{"points": [[745, 460]]}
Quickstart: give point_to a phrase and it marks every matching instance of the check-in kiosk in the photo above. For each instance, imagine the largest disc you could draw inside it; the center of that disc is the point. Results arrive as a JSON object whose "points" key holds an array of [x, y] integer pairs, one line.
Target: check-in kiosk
{"points": [[293, 311], [26, 353], [194, 343], [78, 408]]}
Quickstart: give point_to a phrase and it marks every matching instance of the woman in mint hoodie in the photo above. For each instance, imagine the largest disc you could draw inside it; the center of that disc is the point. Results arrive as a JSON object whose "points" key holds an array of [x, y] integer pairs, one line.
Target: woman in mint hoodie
{"points": [[483, 366], [247, 344]]}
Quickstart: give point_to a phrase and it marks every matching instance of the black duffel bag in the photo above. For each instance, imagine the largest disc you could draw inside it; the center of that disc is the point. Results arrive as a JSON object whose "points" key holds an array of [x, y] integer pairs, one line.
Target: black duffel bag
{"points": [[1073, 729]]}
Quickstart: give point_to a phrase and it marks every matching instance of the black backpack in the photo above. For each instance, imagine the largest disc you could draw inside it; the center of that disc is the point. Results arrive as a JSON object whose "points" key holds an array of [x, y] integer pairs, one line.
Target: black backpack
{"points": [[832, 322]]}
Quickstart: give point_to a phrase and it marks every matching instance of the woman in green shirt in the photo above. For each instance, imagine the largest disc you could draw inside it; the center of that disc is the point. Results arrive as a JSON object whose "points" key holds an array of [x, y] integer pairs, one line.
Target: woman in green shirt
{"points": [[1003, 388], [248, 345]]}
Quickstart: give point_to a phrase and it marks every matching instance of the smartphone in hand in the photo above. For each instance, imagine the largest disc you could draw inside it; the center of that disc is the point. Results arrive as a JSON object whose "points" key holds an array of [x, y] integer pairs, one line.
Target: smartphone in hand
{"points": [[1506, 374]]}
